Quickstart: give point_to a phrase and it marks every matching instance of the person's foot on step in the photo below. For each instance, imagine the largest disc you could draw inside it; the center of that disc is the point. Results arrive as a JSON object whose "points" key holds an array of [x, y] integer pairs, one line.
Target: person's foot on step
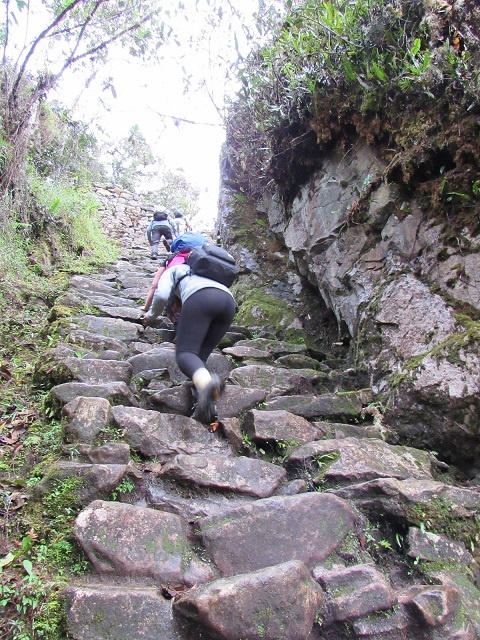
{"points": [[206, 410]]}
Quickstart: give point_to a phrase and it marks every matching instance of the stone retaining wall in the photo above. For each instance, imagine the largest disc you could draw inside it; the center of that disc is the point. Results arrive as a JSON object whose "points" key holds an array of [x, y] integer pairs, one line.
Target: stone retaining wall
{"points": [[123, 215]]}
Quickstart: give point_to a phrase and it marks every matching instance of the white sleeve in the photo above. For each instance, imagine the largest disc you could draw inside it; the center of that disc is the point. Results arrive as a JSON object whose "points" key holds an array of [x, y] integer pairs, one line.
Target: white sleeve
{"points": [[167, 283]]}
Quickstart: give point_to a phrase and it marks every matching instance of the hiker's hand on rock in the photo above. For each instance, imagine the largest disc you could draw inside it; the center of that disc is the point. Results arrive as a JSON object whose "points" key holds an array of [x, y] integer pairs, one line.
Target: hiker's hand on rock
{"points": [[148, 320]]}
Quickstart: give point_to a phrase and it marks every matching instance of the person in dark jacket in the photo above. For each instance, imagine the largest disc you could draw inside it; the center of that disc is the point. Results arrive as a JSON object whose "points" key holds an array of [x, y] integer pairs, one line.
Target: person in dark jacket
{"points": [[160, 228]]}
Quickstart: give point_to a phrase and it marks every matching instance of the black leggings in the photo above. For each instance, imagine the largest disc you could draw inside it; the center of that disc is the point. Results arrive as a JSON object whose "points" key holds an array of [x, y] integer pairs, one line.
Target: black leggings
{"points": [[205, 318], [157, 234]]}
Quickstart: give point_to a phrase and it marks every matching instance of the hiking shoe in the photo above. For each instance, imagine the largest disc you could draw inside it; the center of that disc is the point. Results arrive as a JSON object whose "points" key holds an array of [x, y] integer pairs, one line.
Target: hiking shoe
{"points": [[154, 256], [193, 399], [206, 411]]}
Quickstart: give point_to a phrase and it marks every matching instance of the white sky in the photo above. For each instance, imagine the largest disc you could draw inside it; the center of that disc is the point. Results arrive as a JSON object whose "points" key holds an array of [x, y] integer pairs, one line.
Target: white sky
{"points": [[141, 91]]}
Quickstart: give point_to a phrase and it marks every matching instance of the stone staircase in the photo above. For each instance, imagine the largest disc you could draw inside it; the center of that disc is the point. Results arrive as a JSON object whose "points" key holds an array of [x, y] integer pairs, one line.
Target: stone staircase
{"points": [[292, 518]]}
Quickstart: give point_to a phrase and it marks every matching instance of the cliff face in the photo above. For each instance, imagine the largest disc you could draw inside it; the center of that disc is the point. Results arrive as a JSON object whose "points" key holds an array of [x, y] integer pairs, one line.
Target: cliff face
{"points": [[398, 286], [381, 228]]}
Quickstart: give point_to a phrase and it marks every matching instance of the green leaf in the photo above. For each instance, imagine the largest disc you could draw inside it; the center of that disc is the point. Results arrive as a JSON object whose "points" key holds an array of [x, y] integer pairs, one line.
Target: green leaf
{"points": [[240, 197], [417, 43], [7, 560], [458, 194], [28, 566], [27, 543], [54, 205], [379, 72]]}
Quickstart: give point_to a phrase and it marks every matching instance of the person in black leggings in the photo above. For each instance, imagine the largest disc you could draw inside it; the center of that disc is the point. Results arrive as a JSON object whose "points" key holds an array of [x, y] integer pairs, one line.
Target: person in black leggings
{"points": [[205, 318], [208, 309]]}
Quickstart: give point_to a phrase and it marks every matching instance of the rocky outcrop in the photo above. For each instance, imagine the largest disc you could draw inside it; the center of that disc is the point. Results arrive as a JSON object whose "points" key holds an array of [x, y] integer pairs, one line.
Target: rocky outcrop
{"points": [[403, 295], [291, 518]]}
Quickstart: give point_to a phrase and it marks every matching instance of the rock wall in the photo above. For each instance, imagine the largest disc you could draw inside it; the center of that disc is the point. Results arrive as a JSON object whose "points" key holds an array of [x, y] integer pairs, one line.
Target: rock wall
{"points": [[123, 215], [403, 291]]}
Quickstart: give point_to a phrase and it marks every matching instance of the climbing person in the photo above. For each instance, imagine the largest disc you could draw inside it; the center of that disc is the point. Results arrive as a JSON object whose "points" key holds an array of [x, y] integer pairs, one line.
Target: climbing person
{"points": [[161, 227], [206, 313], [179, 249], [181, 223]]}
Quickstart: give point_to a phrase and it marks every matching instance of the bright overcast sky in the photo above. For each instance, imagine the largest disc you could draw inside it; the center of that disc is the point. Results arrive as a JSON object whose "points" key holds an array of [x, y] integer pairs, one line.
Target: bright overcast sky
{"points": [[143, 93]]}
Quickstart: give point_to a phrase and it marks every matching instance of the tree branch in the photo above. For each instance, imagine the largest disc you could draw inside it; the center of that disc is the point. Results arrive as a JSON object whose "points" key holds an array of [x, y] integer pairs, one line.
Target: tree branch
{"points": [[72, 59], [176, 118], [7, 31], [82, 31], [35, 43]]}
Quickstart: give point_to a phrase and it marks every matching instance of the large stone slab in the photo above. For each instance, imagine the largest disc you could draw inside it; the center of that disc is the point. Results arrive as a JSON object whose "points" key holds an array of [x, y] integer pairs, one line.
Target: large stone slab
{"points": [[398, 624], [331, 405], [97, 343], [124, 613], [355, 591], [353, 460], [238, 474], [177, 399], [124, 312], [136, 293], [115, 392], [434, 547], [237, 400], [247, 352], [93, 371], [94, 481], [469, 592], [279, 426], [108, 453], [157, 434], [191, 505], [126, 540], [130, 281], [417, 500], [164, 358], [106, 300], [435, 605], [91, 285], [87, 417], [110, 327], [307, 527], [274, 347], [281, 601], [274, 380]]}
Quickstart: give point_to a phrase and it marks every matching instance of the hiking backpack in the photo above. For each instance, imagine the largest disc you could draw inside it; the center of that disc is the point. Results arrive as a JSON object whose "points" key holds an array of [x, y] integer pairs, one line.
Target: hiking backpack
{"points": [[186, 241], [210, 261], [182, 245]]}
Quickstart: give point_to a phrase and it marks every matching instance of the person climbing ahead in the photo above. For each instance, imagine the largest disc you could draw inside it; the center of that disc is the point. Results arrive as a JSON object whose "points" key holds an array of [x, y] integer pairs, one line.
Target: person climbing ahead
{"points": [[207, 311], [181, 222], [161, 227]]}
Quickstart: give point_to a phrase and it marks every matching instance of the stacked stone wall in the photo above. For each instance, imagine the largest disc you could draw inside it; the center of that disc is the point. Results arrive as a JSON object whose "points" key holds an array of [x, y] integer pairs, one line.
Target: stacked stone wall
{"points": [[123, 215]]}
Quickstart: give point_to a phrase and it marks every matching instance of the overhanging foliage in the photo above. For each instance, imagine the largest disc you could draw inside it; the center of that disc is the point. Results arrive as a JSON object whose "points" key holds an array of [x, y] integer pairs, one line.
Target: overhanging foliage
{"points": [[332, 65]]}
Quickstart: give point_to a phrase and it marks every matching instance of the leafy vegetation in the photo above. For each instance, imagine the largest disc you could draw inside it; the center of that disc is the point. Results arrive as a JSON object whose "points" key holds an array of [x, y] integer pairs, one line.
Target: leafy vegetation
{"points": [[48, 229], [335, 70]]}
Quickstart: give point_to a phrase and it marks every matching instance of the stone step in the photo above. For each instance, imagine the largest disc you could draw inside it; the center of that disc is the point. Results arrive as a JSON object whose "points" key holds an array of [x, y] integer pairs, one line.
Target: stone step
{"points": [[256, 527]]}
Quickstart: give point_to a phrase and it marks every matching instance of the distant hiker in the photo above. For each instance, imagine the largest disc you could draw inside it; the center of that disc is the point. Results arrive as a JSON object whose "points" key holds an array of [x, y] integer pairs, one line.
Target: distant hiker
{"points": [[162, 228], [205, 311], [181, 223]]}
